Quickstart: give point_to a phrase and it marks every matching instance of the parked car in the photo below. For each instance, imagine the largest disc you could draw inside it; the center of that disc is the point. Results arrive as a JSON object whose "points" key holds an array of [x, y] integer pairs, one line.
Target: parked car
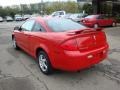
{"points": [[98, 20], [35, 15], [58, 14], [18, 18], [58, 43], [77, 17], [1, 19], [67, 16], [27, 16], [8, 18]]}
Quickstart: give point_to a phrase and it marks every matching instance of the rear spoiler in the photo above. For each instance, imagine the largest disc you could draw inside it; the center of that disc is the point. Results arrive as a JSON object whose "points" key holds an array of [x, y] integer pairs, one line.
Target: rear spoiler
{"points": [[84, 31]]}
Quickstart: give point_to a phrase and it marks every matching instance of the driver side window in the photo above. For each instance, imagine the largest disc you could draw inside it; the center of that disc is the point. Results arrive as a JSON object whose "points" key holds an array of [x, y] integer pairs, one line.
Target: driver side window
{"points": [[28, 25], [100, 17]]}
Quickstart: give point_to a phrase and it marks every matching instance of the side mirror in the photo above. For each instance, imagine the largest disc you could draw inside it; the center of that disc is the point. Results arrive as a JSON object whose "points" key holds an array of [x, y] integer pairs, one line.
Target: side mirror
{"points": [[16, 28]]}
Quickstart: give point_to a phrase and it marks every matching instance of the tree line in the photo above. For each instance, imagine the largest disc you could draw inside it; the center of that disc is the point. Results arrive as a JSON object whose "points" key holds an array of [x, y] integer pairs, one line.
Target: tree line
{"points": [[45, 8]]}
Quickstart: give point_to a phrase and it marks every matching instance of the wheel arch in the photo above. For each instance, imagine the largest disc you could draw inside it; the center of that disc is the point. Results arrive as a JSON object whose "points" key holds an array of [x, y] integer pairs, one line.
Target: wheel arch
{"points": [[41, 48], [46, 50], [37, 51], [50, 66]]}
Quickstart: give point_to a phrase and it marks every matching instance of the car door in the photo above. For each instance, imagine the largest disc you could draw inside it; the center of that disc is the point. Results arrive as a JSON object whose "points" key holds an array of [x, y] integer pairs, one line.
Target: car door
{"points": [[101, 20], [108, 21], [35, 38], [24, 34]]}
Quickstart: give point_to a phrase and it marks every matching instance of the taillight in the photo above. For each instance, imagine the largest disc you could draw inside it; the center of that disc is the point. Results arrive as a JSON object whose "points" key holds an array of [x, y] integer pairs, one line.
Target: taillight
{"points": [[70, 45]]}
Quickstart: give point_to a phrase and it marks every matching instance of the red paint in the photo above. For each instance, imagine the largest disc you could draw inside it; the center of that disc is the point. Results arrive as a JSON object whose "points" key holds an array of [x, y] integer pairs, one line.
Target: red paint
{"points": [[91, 21], [67, 50]]}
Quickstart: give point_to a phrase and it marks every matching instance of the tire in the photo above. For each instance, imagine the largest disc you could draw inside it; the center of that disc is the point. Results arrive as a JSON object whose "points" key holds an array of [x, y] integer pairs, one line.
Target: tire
{"points": [[96, 26], [15, 46], [113, 24], [44, 63]]}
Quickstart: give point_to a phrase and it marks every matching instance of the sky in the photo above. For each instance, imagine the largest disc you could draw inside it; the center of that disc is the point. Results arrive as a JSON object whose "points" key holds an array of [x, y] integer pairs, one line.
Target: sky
{"points": [[17, 2]]}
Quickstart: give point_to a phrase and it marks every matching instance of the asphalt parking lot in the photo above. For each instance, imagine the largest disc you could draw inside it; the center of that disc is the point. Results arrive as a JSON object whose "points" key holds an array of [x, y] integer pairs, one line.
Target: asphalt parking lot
{"points": [[19, 71]]}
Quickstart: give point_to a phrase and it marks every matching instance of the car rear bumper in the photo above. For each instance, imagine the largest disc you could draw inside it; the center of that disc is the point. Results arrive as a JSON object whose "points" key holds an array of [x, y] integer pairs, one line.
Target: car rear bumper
{"points": [[76, 60]]}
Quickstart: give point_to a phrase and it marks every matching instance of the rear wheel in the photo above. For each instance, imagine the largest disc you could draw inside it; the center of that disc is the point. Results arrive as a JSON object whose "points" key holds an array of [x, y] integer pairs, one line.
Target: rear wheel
{"points": [[113, 24], [44, 63], [96, 26]]}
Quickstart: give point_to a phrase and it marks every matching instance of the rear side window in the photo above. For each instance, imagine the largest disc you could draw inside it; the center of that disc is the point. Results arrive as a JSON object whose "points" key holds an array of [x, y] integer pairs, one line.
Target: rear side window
{"points": [[61, 13], [38, 27], [101, 17], [61, 25]]}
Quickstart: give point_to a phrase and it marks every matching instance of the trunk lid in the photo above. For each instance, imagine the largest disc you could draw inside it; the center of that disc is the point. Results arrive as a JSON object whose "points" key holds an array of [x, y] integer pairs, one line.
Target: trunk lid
{"points": [[90, 40]]}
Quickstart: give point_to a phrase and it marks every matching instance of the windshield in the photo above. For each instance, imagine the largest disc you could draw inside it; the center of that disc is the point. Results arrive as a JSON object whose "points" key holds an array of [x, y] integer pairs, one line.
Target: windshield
{"points": [[61, 25]]}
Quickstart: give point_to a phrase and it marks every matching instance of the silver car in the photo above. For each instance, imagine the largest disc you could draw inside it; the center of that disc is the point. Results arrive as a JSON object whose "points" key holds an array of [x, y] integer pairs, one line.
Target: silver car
{"points": [[8, 18], [77, 17], [1, 19]]}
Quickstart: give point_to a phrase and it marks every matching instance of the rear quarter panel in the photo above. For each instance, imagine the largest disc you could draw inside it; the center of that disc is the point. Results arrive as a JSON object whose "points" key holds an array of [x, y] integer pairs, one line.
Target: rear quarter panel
{"points": [[47, 41]]}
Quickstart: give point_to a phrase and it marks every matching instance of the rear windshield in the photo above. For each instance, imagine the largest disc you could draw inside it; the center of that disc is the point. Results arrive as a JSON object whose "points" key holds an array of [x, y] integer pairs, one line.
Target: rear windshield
{"points": [[61, 25]]}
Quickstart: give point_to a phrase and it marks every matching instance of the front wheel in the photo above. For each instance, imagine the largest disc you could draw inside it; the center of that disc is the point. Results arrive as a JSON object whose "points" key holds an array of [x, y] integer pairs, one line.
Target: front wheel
{"points": [[14, 44], [44, 63]]}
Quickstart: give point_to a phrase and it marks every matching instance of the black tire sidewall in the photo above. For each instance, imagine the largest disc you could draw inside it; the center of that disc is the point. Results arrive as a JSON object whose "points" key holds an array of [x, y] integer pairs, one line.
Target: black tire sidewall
{"points": [[15, 43], [49, 67]]}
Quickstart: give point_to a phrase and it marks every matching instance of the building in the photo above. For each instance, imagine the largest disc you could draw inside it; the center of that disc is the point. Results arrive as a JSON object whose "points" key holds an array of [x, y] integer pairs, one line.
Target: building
{"points": [[116, 7], [100, 6]]}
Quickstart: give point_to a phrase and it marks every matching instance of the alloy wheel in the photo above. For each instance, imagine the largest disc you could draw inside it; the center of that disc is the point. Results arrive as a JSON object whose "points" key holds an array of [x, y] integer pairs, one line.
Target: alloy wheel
{"points": [[14, 43], [113, 24], [43, 63]]}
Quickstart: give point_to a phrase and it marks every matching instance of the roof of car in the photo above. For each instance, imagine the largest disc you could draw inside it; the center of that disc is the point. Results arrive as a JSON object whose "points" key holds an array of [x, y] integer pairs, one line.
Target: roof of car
{"points": [[89, 16], [43, 19]]}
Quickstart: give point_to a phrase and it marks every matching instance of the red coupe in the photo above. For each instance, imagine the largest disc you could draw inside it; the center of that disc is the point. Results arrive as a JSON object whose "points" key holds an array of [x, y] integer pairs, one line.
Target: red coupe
{"points": [[58, 43], [98, 20]]}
